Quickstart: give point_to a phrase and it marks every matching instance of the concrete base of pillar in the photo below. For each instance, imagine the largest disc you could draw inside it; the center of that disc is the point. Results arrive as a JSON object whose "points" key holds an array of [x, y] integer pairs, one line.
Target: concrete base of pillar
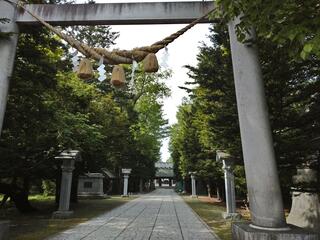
{"points": [[62, 214], [4, 230], [231, 216], [194, 196], [242, 231]]}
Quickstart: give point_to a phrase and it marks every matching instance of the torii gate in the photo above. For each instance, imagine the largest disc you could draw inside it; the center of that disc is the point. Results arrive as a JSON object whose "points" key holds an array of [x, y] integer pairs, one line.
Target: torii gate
{"points": [[261, 172]]}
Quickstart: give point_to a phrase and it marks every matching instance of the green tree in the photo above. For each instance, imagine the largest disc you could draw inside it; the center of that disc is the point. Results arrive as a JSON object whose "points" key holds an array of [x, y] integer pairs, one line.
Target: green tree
{"points": [[27, 141], [291, 91], [290, 23]]}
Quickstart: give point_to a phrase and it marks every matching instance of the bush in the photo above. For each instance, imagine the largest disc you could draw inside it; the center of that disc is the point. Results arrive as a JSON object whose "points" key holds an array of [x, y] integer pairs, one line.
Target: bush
{"points": [[49, 187]]}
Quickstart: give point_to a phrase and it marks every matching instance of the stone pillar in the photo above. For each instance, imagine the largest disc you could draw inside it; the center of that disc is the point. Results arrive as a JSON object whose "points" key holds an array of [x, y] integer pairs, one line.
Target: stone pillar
{"points": [[68, 160], [155, 182], [125, 185], [230, 190], [193, 185], [7, 53], [141, 185], [257, 145], [126, 172]]}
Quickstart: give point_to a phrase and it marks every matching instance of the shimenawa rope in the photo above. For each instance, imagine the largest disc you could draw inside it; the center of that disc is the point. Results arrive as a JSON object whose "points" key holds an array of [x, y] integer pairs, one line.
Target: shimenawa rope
{"points": [[115, 56]]}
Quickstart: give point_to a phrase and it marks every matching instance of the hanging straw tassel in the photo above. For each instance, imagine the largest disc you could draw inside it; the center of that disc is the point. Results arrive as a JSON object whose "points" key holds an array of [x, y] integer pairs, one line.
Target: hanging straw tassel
{"points": [[85, 70], [118, 77], [150, 63]]}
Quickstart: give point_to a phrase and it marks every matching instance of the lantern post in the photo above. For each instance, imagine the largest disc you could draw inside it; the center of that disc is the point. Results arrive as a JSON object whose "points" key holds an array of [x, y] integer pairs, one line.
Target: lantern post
{"points": [[126, 172]]}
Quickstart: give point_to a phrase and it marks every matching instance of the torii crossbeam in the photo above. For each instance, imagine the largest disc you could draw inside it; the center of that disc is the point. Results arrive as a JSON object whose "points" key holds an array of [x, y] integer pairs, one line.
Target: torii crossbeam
{"points": [[116, 13]]}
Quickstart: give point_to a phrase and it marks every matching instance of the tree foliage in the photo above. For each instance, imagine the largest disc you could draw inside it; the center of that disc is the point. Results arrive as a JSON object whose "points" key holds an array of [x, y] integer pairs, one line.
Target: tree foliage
{"points": [[49, 110], [208, 121], [290, 23]]}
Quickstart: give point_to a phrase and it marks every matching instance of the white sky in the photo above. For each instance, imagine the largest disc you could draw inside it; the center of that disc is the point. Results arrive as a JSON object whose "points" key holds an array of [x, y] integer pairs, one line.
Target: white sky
{"points": [[182, 51]]}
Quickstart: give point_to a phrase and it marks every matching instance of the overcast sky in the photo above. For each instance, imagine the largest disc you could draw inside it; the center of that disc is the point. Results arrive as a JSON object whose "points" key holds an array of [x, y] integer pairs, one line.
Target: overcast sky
{"points": [[182, 51]]}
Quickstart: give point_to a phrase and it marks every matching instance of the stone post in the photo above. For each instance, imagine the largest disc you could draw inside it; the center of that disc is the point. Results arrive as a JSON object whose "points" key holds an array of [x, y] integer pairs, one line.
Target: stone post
{"points": [[68, 160], [184, 185], [193, 185], [229, 187], [257, 145], [227, 162], [141, 185], [126, 172], [7, 53]]}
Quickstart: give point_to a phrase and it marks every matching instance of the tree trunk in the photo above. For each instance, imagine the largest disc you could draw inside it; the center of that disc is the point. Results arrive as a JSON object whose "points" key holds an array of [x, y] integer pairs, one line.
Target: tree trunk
{"points": [[218, 194], [209, 190], [19, 196]]}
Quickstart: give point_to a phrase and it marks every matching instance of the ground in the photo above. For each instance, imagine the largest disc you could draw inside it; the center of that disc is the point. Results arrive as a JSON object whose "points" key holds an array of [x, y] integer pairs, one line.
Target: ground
{"points": [[211, 210], [39, 225], [161, 214]]}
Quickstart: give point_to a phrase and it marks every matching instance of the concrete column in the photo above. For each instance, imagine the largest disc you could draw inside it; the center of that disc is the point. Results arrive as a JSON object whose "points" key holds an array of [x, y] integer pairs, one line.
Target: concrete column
{"points": [[125, 172], [229, 187], [193, 186], [230, 190], [101, 185], [125, 185], [65, 189], [261, 171], [141, 185], [66, 181], [7, 53], [68, 161]]}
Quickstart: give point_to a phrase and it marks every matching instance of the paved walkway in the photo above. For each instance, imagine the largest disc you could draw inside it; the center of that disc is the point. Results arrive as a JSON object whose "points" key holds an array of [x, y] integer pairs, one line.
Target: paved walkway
{"points": [[161, 214]]}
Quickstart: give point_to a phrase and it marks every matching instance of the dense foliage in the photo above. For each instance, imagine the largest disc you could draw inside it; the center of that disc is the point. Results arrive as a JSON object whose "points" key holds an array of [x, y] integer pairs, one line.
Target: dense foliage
{"points": [[290, 23], [208, 121], [50, 109]]}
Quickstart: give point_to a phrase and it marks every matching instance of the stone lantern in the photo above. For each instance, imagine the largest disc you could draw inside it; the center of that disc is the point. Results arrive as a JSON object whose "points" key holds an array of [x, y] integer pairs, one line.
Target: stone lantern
{"points": [[126, 172], [305, 210], [193, 184], [228, 162], [68, 158]]}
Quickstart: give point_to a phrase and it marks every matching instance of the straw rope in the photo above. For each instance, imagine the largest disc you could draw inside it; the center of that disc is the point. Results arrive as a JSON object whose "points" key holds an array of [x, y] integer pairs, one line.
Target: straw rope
{"points": [[115, 56]]}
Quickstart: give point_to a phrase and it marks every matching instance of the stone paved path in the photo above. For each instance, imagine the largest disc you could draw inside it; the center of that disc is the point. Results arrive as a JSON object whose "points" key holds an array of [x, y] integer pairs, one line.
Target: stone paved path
{"points": [[161, 215]]}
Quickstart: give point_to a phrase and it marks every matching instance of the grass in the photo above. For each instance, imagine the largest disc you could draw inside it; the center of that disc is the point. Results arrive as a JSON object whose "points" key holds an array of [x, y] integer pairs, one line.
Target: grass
{"points": [[40, 225], [211, 213]]}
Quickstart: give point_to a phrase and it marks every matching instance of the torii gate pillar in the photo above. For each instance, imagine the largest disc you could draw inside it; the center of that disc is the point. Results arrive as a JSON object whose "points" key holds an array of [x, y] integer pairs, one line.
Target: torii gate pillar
{"points": [[257, 145], [266, 206], [7, 53]]}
